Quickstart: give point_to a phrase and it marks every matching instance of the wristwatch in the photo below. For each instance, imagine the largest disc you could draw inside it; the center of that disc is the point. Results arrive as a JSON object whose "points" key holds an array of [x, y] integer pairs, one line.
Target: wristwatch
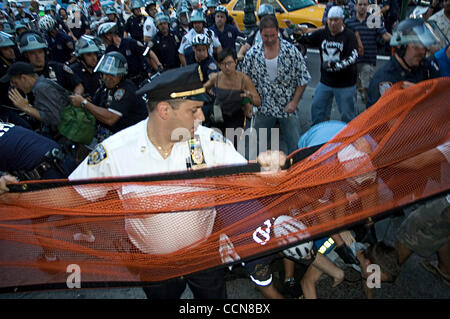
{"points": [[83, 103]]}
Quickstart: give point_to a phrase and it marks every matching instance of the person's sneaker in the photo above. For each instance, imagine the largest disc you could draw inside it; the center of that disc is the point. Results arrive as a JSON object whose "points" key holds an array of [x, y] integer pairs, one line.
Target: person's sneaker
{"points": [[432, 266], [292, 288]]}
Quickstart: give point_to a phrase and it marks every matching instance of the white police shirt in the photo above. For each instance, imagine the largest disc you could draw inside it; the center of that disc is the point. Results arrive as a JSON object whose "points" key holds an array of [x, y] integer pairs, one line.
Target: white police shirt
{"points": [[130, 152], [149, 27], [187, 40]]}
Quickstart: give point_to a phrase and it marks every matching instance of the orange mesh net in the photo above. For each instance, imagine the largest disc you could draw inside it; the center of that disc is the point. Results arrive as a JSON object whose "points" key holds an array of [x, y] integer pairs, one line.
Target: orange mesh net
{"points": [[150, 231]]}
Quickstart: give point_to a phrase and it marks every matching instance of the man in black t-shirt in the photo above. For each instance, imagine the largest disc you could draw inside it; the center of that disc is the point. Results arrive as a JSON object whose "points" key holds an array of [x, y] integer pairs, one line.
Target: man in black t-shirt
{"points": [[338, 54]]}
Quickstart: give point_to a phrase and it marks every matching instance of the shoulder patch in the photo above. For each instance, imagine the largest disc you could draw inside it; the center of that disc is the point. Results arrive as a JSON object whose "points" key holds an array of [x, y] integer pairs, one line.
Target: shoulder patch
{"points": [[384, 86], [118, 95], [97, 155], [67, 69]]}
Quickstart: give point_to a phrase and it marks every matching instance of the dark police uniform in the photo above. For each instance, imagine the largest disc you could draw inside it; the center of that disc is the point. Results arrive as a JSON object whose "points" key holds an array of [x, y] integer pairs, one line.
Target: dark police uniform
{"points": [[122, 100], [135, 27], [91, 81], [29, 155], [166, 49], [61, 47], [228, 37], [208, 65], [7, 114], [120, 26], [392, 72], [177, 28], [138, 66]]}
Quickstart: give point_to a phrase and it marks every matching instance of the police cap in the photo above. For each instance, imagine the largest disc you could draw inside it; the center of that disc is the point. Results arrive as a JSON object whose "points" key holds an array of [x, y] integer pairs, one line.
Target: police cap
{"points": [[184, 82]]}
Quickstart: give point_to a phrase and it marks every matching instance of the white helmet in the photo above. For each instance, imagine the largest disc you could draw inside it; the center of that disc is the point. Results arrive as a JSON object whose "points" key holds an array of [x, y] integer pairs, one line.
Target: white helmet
{"points": [[201, 39], [47, 23], [285, 225]]}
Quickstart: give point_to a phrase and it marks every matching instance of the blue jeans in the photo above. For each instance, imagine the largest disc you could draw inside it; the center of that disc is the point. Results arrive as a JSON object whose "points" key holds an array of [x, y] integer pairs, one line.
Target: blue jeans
{"points": [[289, 127], [323, 101]]}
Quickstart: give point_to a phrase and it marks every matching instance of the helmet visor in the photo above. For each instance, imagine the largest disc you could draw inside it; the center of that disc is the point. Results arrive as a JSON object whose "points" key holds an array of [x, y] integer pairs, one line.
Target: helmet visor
{"points": [[427, 35], [110, 65]]}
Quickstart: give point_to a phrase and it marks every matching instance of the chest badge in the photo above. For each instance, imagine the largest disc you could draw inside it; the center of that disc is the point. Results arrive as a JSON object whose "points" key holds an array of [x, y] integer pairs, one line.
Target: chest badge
{"points": [[196, 159]]}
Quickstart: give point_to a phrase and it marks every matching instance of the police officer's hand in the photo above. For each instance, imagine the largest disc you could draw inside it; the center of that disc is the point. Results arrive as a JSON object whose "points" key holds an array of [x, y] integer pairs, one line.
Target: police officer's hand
{"points": [[19, 101], [271, 160], [5, 180], [76, 100]]}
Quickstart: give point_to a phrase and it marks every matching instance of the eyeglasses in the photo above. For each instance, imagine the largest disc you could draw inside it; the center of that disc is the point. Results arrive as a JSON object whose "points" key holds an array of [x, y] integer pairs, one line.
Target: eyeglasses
{"points": [[226, 64]]}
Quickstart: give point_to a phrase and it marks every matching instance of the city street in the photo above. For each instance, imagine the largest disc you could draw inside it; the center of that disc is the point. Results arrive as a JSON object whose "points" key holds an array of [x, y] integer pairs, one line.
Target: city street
{"points": [[414, 281]]}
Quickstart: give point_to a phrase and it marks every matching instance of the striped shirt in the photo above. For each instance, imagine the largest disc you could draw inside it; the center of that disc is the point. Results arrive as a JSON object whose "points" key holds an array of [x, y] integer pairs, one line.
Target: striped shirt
{"points": [[368, 35]]}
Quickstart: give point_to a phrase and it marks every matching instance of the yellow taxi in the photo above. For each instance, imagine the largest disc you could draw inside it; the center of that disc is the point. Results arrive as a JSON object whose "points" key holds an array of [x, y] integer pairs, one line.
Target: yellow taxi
{"points": [[297, 11]]}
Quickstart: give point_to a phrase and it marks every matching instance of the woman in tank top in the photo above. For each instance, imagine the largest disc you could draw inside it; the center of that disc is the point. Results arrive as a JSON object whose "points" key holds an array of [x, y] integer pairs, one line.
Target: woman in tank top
{"points": [[234, 92]]}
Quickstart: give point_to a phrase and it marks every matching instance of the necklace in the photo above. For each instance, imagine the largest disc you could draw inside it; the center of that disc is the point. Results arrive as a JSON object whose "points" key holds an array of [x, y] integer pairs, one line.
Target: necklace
{"points": [[163, 151]]}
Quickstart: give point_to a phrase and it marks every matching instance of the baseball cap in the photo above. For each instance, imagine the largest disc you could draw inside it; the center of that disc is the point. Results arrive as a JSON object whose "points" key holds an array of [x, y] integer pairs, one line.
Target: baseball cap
{"points": [[335, 12], [17, 68]]}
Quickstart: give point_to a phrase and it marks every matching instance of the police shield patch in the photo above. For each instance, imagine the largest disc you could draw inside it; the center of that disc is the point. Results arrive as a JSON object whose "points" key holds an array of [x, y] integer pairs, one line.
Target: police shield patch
{"points": [[97, 155], [384, 86], [67, 69], [118, 95]]}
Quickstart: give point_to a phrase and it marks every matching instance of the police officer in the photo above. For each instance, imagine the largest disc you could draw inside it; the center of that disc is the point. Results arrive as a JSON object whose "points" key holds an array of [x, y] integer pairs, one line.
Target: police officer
{"points": [[113, 16], [33, 49], [115, 104], [226, 33], [31, 156], [135, 23], [166, 43], [60, 44], [87, 51], [138, 66], [255, 37], [20, 27], [78, 23], [410, 40], [210, 15], [180, 24], [149, 25], [200, 55], [51, 10], [198, 22]]}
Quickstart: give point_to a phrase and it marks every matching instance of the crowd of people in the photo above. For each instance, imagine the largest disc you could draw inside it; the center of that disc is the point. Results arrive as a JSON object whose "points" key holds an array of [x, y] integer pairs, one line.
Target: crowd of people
{"points": [[120, 67]]}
